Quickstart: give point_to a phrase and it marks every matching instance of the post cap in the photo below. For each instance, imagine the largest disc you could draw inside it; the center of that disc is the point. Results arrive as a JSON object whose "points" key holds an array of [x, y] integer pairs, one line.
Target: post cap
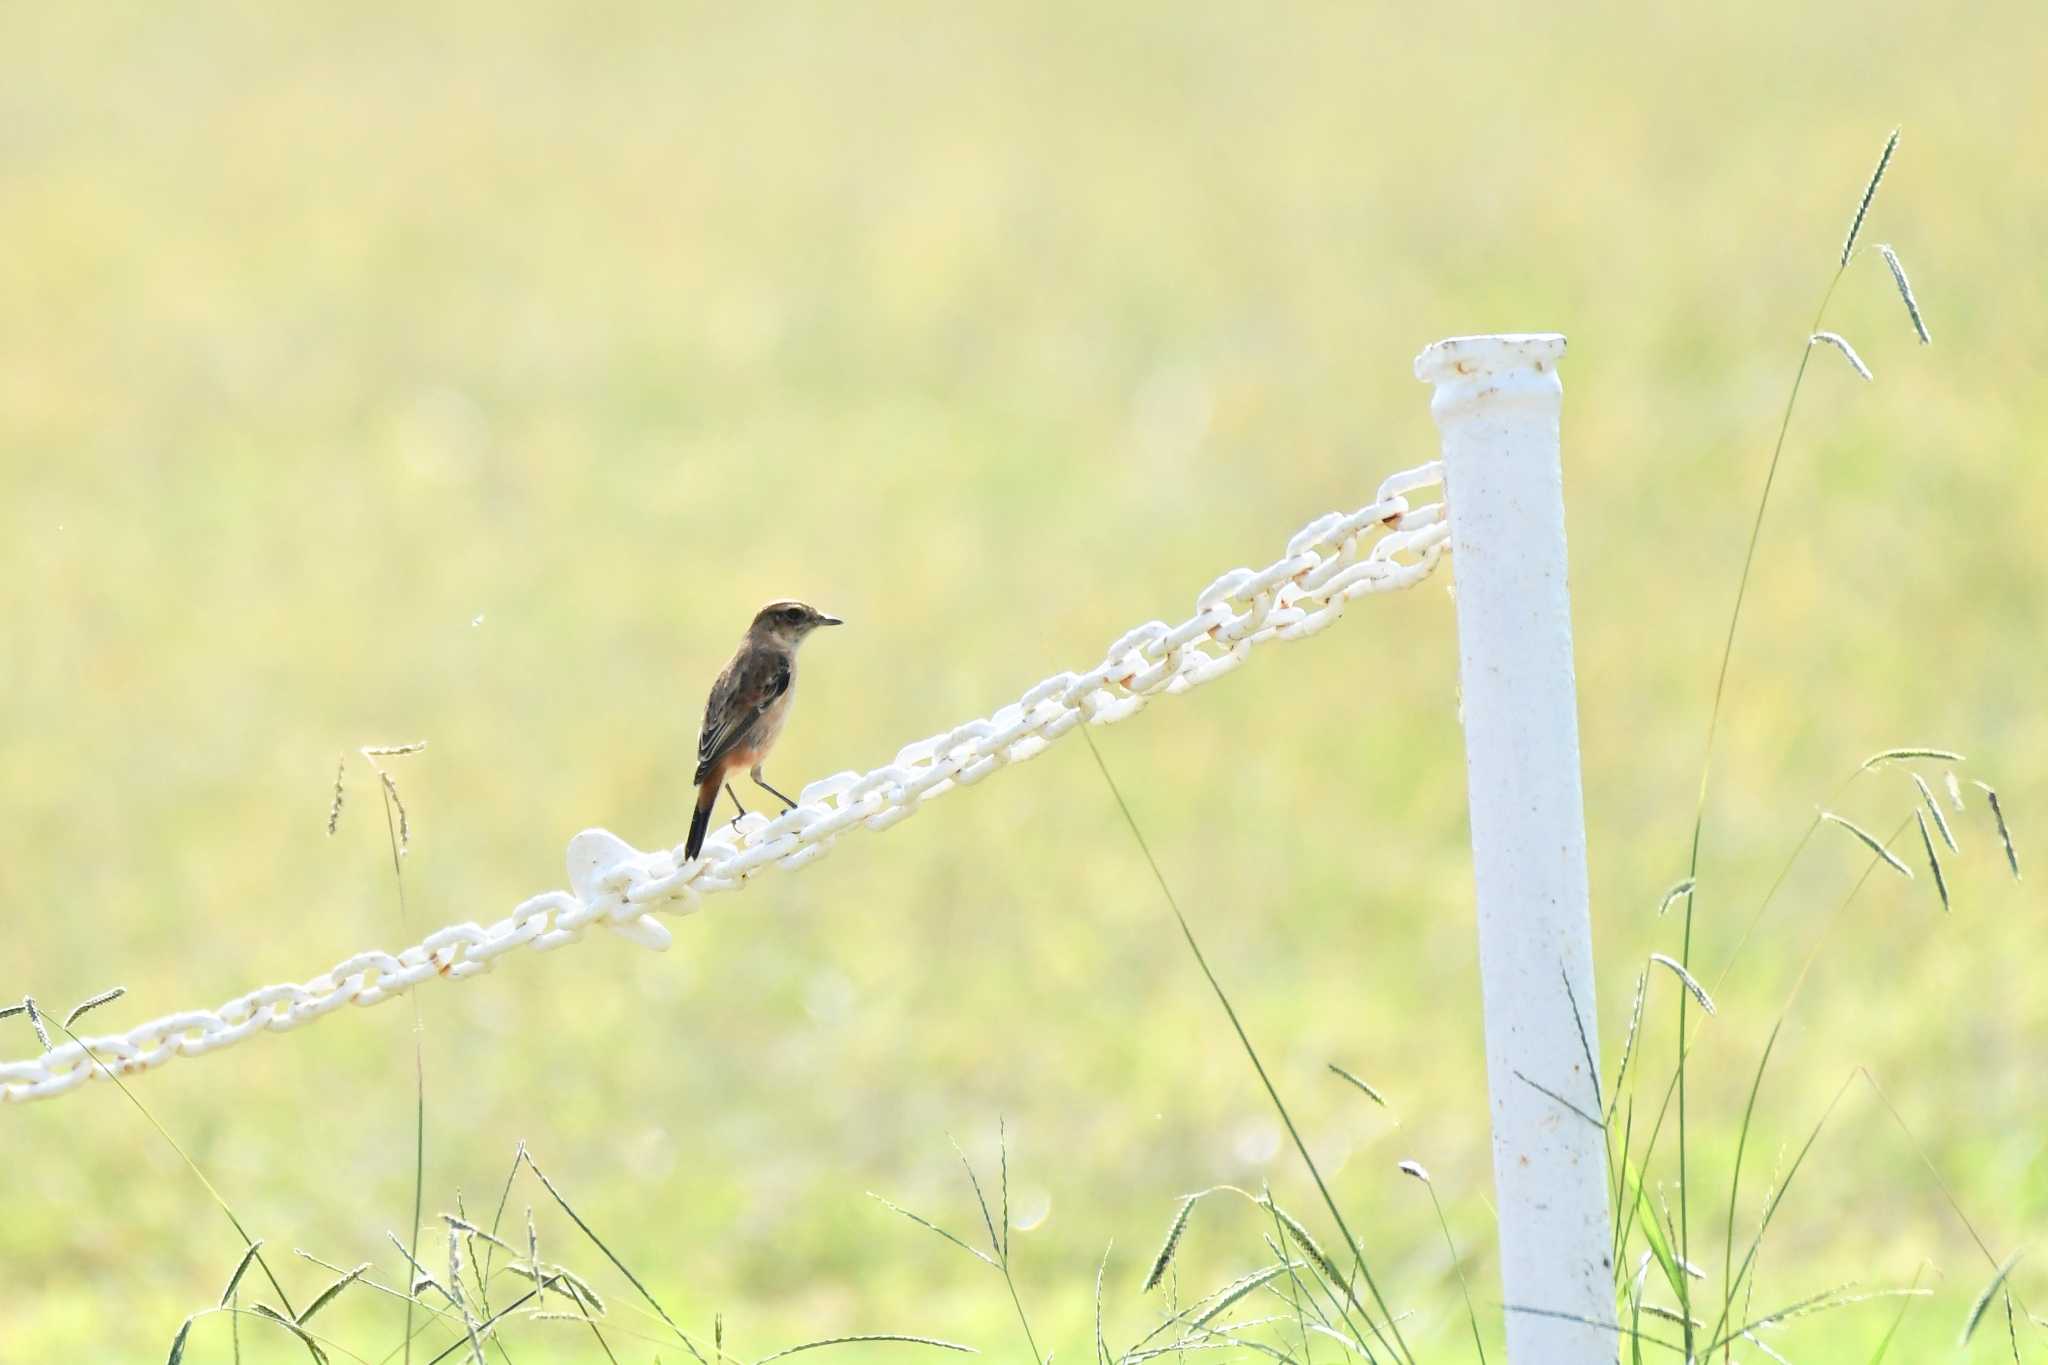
{"points": [[1456, 358]]}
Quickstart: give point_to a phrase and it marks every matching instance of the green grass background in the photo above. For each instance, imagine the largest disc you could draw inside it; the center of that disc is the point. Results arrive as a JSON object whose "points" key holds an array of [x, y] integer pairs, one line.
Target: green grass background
{"points": [[469, 372]]}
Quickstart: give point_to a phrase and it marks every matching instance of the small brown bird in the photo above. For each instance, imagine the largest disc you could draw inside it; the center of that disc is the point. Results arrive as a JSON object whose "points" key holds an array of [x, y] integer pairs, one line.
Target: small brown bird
{"points": [[747, 707]]}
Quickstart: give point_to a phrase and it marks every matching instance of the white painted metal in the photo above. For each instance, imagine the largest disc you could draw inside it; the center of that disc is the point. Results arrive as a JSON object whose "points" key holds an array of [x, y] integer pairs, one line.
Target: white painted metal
{"points": [[1497, 402]]}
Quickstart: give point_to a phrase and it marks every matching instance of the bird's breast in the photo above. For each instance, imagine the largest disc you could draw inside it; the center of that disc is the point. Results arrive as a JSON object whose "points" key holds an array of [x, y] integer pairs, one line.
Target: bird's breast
{"points": [[768, 726]]}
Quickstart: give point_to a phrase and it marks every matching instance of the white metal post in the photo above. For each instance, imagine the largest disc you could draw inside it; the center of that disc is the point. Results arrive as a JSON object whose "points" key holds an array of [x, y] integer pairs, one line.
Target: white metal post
{"points": [[1497, 402]]}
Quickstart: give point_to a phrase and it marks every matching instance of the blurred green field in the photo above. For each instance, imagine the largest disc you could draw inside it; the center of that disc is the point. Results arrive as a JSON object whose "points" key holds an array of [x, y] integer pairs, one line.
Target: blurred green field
{"points": [[469, 372]]}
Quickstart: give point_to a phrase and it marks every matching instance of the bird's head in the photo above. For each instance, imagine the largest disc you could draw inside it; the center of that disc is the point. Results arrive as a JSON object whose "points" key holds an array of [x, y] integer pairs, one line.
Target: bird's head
{"points": [[789, 622]]}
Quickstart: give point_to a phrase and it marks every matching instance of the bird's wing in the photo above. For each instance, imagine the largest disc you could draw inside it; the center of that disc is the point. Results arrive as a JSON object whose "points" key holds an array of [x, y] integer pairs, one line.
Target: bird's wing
{"points": [[737, 700]]}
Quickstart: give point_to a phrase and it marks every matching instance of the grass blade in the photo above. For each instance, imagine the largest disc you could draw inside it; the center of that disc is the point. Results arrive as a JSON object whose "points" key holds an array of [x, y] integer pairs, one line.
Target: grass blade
{"points": [[471, 1230], [998, 1257], [1585, 1042], [1906, 755], [933, 1342], [1171, 1244], [1236, 1290], [326, 1296], [1770, 1211], [334, 806], [1635, 1326], [1735, 1180], [1697, 991], [1891, 258], [178, 1342], [102, 998], [1984, 1299], [392, 750], [1727, 658], [1869, 193], [241, 1266], [264, 1310], [1307, 1242], [1841, 343], [1556, 1098], [1370, 1093], [581, 1293], [35, 1019], [1825, 1301], [421, 1276], [1934, 808], [1933, 860], [1628, 1041], [1101, 1347], [498, 1217], [927, 1224], [1884, 1343], [598, 1242], [190, 1164], [1870, 841], [1398, 1344], [1414, 1168], [995, 1243], [1653, 1234], [1683, 888], [2012, 858], [1323, 1329]]}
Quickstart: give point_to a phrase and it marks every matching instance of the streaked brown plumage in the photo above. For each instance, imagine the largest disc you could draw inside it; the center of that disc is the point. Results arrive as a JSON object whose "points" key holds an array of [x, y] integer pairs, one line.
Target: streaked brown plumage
{"points": [[747, 707]]}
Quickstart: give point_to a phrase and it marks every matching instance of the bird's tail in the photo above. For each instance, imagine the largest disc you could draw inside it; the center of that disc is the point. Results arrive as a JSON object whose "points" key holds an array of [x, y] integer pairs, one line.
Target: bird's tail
{"points": [[707, 798]]}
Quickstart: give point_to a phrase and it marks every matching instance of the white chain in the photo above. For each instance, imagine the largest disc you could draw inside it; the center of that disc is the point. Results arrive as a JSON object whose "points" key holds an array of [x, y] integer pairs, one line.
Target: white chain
{"points": [[1337, 557]]}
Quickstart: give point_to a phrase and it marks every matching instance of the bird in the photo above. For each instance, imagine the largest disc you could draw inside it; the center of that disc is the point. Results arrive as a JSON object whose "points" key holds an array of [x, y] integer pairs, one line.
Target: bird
{"points": [[747, 707]]}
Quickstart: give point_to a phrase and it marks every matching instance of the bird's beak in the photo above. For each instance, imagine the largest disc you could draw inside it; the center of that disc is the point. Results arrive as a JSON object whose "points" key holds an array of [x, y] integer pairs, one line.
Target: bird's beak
{"points": [[824, 620]]}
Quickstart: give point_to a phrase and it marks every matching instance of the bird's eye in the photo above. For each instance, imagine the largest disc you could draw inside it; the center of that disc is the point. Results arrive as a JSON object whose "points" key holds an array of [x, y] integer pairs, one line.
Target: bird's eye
{"points": [[792, 614]]}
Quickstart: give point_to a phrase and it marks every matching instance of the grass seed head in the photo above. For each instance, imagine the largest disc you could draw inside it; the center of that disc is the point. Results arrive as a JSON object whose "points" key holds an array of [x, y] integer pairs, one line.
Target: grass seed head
{"points": [[1891, 258], [1841, 343], [1869, 193]]}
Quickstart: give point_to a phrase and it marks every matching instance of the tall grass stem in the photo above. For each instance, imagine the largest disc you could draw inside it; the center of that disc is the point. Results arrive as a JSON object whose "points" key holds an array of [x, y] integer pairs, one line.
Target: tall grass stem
{"points": [[1398, 1345]]}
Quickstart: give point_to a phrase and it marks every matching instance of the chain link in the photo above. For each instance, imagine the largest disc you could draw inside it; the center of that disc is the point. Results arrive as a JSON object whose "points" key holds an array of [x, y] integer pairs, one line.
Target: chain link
{"points": [[1335, 559]]}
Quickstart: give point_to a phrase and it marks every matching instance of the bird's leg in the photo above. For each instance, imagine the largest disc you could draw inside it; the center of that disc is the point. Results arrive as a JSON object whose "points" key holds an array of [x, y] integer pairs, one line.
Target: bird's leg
{"points": [[736, 804], [762, 783]]}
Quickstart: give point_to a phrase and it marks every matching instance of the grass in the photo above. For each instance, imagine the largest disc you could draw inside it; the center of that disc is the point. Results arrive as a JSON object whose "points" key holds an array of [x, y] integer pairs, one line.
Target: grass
{"points": [[998, 1253], [1042, 319], [1733, 1280], [1655, 1228], [1358, 1259], [451, 1324], [398, 837], [1749, 556]]}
